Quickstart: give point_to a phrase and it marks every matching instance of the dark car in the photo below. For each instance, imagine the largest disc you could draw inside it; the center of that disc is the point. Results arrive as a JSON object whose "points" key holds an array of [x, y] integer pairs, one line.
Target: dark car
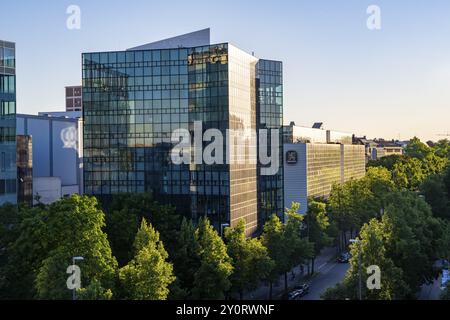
{"points": [[344, 258], [303, 289], [299, 292], [294, 295]]}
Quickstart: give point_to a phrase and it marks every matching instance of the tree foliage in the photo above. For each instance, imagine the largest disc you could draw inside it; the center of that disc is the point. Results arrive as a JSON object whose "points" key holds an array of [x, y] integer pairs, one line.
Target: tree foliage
{"points": [[212, 279], [124, 214], [251, 261], [73, 227], [404, 243], [149, 274], [285, 244]]}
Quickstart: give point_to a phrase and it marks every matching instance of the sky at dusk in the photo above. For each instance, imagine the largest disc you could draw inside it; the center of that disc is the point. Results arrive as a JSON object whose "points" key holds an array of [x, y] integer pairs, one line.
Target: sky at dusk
{"points": [[390, 83]]}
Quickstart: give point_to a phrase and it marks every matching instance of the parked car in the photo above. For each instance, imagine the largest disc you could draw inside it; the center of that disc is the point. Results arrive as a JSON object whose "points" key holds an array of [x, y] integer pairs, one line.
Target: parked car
{"points": [[303, 289], [344, 257], [294, 295]]}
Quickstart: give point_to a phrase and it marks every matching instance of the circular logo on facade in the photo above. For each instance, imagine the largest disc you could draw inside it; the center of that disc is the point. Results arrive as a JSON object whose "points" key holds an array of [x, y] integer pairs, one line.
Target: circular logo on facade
{"points": [[69, 137]]}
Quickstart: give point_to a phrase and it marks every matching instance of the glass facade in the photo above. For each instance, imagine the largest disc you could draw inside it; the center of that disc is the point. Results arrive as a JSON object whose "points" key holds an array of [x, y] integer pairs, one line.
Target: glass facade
{"points": [[328, 164], [354, 162], [269, 78], [8, 169], [134, 100], [323, 167]]}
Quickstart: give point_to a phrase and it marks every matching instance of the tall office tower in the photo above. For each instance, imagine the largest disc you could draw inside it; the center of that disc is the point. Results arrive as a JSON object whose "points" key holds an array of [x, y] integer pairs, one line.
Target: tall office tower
{"points": [[134, 100], [270, 116], [74, 98], [8, 169]]}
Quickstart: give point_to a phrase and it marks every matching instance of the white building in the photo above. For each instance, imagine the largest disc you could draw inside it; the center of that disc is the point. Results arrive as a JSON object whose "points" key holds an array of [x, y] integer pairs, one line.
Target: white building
{"points": [[57, 155], [311, 169]]}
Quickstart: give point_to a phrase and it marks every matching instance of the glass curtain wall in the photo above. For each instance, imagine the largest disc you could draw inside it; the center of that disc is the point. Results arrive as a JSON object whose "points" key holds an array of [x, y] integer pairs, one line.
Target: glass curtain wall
{"points": [[8, 168], [269, 79]]}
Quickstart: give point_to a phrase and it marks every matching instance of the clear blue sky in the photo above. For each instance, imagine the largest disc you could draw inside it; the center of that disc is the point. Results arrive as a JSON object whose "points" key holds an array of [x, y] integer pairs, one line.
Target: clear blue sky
{"points": [[390, 83]]}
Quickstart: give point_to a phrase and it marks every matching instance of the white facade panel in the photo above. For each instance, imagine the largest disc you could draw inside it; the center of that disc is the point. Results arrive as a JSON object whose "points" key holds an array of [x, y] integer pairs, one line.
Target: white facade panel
{"points": [[48, 189]]}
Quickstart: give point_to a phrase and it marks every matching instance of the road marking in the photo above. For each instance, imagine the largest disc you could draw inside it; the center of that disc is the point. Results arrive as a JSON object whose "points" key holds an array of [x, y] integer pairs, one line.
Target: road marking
{"points": [[322, 265]]}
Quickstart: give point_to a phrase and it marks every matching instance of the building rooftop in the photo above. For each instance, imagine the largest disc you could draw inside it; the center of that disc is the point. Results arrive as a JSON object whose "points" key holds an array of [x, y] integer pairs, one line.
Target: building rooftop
{"points": [[193, 39]]}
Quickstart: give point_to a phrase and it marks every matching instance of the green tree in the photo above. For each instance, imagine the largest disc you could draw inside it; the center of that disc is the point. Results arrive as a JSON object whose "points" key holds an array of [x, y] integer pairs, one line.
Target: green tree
{"points": [[273, 239], [372, 243], [296, 248], [373, 237], [25, 245], [211, 281], [285, 244], [94, 291], [124, 214], [345, 208], [186, 261], [379, 181], [251, 262], [387, 162], [148, 275], [415, 237], [442, 148], [409, 174], [404, 243], [433, 164], [318, 223], [447, 181], [73, 227], [122, 227], [434, 191], [417, 149]]}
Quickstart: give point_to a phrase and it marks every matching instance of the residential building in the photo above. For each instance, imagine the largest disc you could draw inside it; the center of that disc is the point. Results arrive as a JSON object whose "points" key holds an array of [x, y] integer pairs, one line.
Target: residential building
{"points": [[134, 100], [8, 169], [386, 148], [379, 148], [315, 159]]}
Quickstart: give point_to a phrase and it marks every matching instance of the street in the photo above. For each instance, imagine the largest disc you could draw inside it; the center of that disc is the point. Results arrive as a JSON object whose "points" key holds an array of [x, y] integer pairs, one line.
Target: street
{"points": [[432, 291], [327, 274]]}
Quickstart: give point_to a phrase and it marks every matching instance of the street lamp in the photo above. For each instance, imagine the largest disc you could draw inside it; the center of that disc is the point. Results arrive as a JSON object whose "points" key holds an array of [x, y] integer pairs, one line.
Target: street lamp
{"points": [[74, 260], [358, 242]]}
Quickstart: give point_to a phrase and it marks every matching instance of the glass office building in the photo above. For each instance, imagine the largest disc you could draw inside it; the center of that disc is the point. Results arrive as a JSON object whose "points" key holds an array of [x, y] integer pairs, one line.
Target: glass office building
{"points": [[8, 169], [270, 116], [134, 100]]}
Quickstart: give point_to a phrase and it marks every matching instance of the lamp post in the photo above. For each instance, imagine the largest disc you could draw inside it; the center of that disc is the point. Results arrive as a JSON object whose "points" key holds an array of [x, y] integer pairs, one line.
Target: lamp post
{"points": [[358, 242], [74, 291]]}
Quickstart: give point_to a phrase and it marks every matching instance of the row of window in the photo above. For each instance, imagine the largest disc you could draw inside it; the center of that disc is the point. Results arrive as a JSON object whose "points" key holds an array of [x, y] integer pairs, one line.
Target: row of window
{"points": [[151, 55], [7, 57], [7, 84], [7, 108], [8, 186]]}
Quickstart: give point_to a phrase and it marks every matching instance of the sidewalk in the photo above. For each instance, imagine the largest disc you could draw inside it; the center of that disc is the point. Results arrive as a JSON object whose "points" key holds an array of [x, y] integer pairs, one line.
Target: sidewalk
{"points": [[262, 293]]}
